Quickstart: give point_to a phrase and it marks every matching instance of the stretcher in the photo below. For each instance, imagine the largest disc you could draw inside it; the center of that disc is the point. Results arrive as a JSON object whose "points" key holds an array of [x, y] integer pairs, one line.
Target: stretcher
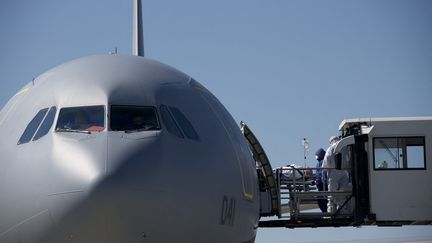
{"points": [[295, 179]]}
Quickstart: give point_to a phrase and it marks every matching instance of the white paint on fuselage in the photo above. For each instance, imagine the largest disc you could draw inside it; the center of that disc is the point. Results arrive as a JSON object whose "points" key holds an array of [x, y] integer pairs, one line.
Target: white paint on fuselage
{"points": [[115, 187]]}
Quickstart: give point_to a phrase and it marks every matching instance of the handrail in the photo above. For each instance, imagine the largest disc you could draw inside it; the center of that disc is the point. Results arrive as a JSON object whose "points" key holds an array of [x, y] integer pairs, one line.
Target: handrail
{"points": [[299, 192], [264, 162]]}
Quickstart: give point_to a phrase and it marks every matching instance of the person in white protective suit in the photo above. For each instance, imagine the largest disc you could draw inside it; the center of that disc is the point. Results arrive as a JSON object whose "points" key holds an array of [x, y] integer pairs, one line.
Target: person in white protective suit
{"points": [[338, 180]]}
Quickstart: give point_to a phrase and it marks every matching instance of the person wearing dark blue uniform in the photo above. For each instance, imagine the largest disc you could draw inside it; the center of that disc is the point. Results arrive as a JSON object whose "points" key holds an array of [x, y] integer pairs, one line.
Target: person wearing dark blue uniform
{"points": [[320, 178]]}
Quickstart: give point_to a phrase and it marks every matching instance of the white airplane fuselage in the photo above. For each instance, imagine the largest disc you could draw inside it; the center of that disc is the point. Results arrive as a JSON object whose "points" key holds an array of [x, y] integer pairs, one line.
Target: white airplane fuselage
{"points": [[116, 186]]}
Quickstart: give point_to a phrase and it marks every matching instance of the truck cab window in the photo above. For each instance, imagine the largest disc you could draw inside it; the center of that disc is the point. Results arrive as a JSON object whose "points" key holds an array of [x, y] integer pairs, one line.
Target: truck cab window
{"points": [[399, 153], [133, 118], [84, 118]]}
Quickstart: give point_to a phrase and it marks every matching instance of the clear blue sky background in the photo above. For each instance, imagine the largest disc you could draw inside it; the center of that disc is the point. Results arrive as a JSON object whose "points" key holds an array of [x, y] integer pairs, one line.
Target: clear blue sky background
{"points": [[290, 69]]}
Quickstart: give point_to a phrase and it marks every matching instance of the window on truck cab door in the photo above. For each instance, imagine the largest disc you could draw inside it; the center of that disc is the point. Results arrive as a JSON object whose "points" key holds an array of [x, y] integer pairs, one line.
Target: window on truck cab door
{"points": [[399, 153]]}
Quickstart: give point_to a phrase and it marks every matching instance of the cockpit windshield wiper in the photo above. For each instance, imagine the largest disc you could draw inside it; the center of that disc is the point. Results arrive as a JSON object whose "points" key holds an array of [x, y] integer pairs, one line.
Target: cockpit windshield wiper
{"points": [[147, 127], [72, 130], [136, 130]]}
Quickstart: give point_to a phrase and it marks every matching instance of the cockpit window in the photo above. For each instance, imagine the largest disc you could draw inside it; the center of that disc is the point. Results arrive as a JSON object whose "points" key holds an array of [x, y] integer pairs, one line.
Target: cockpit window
{"points": [[169, 122], [81, 119], [46, 124], [32, 127], [133, 118], [177, 123], [184, 123]]}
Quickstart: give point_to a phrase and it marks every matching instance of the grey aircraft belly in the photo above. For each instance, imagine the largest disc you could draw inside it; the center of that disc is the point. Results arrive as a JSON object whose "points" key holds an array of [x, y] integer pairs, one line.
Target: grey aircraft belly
{"points": [[116, 148]]}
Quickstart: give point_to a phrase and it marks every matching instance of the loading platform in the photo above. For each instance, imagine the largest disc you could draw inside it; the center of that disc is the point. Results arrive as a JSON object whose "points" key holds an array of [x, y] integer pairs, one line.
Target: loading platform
{"points": [[289, 196], [298, 198]]}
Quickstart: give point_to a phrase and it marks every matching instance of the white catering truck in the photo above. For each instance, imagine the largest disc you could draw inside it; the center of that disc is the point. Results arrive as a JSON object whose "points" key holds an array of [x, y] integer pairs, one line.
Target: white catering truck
{"points": [[389, 162]]}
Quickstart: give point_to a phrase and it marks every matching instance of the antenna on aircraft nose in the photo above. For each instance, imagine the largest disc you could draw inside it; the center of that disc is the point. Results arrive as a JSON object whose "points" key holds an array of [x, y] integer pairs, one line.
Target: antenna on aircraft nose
{"points": [[137, 31]]}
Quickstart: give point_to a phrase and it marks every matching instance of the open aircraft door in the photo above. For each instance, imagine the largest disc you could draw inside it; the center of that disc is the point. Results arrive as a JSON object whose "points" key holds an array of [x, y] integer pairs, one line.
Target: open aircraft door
{"points": [[269, 195]]}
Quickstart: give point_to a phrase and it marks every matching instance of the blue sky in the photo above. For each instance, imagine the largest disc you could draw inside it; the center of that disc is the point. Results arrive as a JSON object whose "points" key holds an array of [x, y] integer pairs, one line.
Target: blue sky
{"points": [[290, 69]]}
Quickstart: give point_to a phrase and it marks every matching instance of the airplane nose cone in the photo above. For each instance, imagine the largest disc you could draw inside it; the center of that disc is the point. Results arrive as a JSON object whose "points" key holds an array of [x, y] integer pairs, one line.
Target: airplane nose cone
{"points": [[133, 183], [130, 154], [148, 183], [105, 180], [78, 161]]}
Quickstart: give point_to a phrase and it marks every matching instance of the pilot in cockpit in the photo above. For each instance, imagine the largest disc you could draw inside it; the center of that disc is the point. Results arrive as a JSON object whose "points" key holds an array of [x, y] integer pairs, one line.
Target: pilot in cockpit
{"points": [[141, 122], [138, 122], [75, 121], [81, 119]]}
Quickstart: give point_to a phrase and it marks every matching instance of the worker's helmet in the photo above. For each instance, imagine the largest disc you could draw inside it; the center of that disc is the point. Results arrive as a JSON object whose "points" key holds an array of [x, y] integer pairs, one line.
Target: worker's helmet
{"points": [[320, 154], [333, 138]]}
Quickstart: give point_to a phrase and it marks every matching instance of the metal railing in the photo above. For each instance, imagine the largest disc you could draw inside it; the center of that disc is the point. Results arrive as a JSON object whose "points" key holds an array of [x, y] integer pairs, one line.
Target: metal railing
{"points": [[298, 195]]}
